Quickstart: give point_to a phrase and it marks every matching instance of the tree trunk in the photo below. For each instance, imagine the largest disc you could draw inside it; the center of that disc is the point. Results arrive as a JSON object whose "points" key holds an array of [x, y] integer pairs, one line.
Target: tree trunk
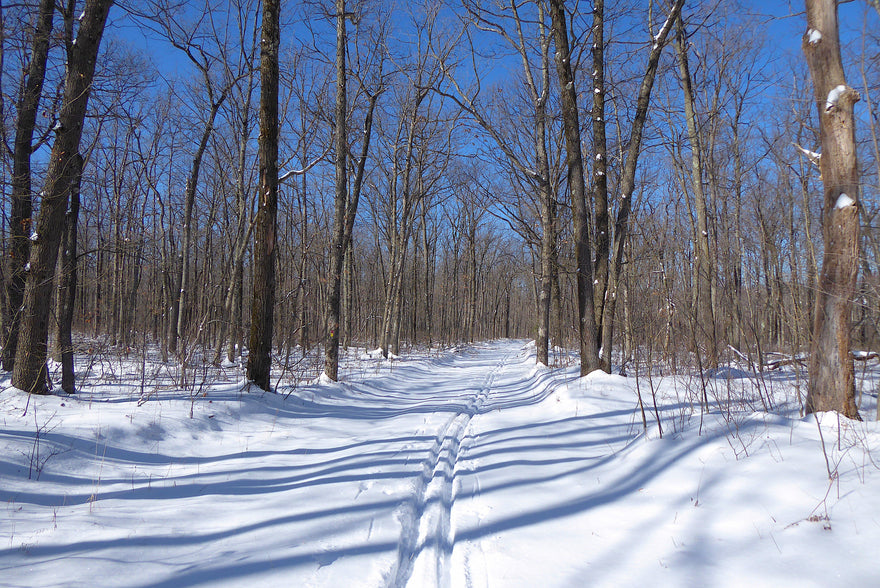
{"points": [[549, 264], [67, 282], [192, 183], [704, 268], [600, 167], [22, 208], [832, 381], [586, 320], [30, 360], [337, 244], [262, 313]]}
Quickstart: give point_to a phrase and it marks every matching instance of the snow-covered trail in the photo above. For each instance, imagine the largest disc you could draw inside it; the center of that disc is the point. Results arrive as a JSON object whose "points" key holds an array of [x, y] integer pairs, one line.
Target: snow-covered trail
{"points": [[351, 480], [473, 468]]}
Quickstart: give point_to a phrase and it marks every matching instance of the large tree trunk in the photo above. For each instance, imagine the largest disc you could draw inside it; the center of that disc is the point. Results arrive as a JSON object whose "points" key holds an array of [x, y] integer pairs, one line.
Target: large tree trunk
{"points": [[22, 208], [262, 313], [571, 122], [30, 360], [832, 382], [337, 244]]}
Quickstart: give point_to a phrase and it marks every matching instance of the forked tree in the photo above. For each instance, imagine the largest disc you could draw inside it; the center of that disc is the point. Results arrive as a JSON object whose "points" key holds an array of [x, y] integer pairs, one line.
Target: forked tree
{"points": [[609, 279], [30, 372]]}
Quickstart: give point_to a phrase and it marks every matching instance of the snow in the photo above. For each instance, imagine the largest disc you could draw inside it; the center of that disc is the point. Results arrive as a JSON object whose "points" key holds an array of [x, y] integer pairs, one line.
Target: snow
{"points": [[813, 36], [843, 201], [468, 467], [813, 156], [833, 97]]}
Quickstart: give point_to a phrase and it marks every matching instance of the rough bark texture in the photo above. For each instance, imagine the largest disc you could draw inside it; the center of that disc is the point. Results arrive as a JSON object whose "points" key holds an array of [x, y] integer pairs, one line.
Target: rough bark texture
{"points": [[832, 383], [29, 372], [262, 312], [337, 244], [587, 323], [22, 208]]}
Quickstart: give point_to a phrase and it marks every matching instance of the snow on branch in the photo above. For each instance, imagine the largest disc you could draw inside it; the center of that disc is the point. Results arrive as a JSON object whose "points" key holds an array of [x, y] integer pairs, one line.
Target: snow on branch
{"points": [[298, 172], [833, 97], [811, 155]]}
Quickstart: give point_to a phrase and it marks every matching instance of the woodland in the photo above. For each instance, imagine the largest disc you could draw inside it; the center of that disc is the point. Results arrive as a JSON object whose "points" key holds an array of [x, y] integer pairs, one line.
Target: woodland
{"points": [[439, 293], [639, 181]]}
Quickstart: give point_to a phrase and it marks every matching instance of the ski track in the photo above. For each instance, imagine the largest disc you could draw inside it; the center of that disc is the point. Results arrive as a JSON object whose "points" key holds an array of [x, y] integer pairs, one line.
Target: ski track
{"points": [[427, 537]]}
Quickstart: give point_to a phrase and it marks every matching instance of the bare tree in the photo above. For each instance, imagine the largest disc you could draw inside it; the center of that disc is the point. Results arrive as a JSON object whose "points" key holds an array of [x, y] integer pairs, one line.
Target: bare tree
{"points": [[832, 381], [628, 181], [262, 314], [589, 350], [30, 361], [22, 207], [536, 172], [337, 243], [704, 268]]}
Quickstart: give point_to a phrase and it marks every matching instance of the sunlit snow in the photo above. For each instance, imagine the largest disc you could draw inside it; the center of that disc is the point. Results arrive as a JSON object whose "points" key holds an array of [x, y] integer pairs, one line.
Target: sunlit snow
{"points": [[463, 467], [834, 96]]}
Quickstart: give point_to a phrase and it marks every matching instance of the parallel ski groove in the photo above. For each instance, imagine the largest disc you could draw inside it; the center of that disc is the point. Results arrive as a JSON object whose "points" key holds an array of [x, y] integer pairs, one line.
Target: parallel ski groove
{"points": [[426, 520]]}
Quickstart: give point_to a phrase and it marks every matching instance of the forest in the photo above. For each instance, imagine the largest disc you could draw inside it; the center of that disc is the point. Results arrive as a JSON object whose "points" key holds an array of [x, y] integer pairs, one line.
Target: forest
{"points": [[639, 181], [435, 293]]}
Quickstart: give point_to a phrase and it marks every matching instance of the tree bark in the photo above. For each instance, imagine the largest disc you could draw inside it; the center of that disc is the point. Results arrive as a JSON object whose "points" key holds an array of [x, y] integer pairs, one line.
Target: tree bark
{"points": [[30, 372], [549, 264], [262, 312], [22, 207], [600, 167], [586, 319], [832, 380], [337, 244]]}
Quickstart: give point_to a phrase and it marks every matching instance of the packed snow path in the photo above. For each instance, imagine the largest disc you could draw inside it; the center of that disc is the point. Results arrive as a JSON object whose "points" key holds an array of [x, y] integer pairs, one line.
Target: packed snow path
{"points": [[472, 468]]}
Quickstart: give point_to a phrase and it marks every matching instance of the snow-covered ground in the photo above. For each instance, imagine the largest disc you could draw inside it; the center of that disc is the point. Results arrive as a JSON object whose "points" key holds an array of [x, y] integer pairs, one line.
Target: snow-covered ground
{"points": [[471, 467]]}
